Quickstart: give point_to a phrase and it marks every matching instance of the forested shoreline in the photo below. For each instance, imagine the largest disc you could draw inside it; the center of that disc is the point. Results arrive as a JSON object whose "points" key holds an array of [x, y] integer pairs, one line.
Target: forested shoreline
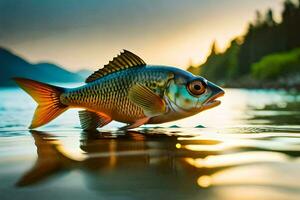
{"points": [[267, 56]]}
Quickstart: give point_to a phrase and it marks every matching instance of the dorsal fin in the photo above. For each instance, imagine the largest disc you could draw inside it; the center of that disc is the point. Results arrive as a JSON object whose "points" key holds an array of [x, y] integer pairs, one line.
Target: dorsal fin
{"points": [[123, 61]]}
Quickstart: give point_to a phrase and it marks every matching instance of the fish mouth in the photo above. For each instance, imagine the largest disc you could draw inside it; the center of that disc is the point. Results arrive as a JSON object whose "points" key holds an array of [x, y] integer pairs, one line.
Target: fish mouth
{"points": [[212, 101]]}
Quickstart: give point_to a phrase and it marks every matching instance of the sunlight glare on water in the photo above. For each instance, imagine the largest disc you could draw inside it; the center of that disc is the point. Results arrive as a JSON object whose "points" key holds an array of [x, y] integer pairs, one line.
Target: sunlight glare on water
{"points": [[248, 145]]}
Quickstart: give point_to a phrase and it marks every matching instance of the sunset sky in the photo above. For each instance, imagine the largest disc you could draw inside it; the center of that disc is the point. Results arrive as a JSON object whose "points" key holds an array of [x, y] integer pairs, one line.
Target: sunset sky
{"points": [[87, 34]]}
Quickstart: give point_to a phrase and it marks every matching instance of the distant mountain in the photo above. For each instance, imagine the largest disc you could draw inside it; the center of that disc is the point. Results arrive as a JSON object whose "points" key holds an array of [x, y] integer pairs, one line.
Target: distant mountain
{"points": [[12, 65]]}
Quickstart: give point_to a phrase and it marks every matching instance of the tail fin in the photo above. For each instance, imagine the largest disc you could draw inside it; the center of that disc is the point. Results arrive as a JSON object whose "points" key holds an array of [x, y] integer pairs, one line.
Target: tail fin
{"points": [[48, 99]]}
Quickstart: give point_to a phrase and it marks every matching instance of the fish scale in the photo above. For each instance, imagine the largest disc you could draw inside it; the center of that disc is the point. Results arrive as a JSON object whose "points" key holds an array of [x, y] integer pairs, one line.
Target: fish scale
{"points": [[111, 95]]}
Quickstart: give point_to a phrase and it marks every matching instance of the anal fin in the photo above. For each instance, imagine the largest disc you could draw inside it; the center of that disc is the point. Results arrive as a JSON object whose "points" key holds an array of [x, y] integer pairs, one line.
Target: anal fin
{"points": [[92, 120], [136, 124]]}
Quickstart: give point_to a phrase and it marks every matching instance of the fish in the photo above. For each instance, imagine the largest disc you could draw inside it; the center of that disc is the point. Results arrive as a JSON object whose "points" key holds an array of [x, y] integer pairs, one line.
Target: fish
{"points": [[125, 90]]}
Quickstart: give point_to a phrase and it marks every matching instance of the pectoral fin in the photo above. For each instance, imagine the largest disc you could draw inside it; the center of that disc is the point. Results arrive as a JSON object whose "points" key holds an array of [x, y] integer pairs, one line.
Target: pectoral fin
{"points": [[150, 102], [92, 120]]}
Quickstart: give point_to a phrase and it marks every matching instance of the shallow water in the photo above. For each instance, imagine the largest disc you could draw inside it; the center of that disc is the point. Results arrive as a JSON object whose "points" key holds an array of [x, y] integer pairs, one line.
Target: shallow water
{"points": [[247, 148]]}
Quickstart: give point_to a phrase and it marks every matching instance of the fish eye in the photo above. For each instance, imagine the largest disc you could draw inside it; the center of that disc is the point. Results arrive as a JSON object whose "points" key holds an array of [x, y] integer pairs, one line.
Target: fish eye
{"points": [[196, 87]]}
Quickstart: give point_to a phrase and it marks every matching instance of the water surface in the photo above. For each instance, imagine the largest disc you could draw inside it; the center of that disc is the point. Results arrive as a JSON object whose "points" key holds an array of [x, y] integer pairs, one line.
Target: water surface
{"points": [[247, 148]]}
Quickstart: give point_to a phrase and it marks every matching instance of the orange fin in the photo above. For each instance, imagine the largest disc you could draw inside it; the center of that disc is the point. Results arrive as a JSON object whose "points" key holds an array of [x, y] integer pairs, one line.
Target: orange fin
{"points": [[48, 99], [92, 120], [136, 124], [150, 102]]}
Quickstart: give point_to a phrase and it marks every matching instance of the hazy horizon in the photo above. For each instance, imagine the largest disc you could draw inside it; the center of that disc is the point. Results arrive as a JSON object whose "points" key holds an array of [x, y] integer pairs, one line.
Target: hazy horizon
{"points": [[86, 36]]}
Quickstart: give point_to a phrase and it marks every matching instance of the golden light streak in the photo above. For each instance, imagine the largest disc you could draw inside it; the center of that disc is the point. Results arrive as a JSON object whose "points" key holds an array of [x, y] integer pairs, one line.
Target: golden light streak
{"points": [[204, 181]]}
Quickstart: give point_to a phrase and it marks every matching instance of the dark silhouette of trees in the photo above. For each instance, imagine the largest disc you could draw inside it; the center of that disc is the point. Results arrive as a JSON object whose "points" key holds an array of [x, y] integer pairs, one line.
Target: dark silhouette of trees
{"points": [[269, 18], [263, 37], [291, 24]]}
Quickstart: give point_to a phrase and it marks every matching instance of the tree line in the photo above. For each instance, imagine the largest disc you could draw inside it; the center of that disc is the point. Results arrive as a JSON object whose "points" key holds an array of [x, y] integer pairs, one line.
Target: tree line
{"points": [[267, 55]]}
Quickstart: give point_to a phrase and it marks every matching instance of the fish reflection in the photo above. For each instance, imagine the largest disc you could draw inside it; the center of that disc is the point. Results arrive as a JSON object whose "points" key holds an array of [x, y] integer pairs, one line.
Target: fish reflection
{"points": [[126, 160], [134, 161]]}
